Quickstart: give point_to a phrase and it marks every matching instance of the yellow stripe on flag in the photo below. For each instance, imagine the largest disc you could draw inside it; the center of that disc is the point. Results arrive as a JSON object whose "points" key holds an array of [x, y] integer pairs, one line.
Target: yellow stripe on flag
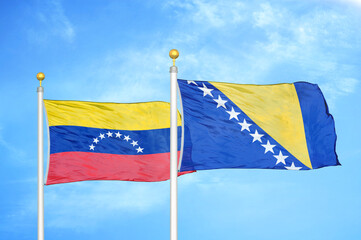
{"points": [[118, 116], [274, 108]]}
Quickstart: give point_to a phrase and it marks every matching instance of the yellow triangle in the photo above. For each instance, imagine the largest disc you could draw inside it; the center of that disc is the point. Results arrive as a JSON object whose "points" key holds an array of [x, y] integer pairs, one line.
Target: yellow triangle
{"points": [[274, 108]]}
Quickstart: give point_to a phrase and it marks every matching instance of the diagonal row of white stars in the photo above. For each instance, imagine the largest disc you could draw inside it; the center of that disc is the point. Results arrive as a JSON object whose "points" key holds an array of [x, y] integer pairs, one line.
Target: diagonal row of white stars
{"points": [[117, 135], [245, 126]]}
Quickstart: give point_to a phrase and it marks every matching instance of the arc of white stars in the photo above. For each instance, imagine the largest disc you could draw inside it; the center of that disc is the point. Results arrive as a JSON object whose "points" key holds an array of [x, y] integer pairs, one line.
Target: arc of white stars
{"points": [[293, 167], [206, 91], [256, 136], [268, 147], [233, 114], [245, 125], [280, 158], [190, 81], [139, 149], [117, 134], [220, 102]]}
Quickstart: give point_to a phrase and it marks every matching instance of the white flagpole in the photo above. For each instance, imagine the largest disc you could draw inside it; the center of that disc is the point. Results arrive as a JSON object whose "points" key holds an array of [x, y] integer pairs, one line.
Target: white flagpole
{"points": [[173, 148], [40, 76]]}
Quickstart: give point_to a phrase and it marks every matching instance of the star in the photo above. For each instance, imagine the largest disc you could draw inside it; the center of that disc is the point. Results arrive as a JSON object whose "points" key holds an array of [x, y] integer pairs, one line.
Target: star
{"points": [[126, 138], [206, 91], [189, 82], [233, 114], [293, 167], [268, 147], [245, 125], [109, 134], [280, 158], [101, 136], [139, 149], [91, 147], [96, 140], [134, 143], [256, 136], [117, 135], [221, 102]]}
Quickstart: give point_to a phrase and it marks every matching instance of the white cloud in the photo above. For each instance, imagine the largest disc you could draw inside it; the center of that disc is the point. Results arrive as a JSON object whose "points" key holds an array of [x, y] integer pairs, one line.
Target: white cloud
{"points": [[348, 85], [134, 75], [52, 22], [266, 16], [13, 151], [335, 88], [83, 205], [356, 3], [210, 13]]}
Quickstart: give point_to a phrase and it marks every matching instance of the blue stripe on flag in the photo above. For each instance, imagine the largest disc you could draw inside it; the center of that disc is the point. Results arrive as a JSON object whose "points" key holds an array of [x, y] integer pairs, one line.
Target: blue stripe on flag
{"points": [[86, 139], [319, 125]]}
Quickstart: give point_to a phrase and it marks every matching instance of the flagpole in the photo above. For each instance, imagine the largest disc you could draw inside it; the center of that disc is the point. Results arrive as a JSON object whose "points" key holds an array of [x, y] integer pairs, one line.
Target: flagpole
{"points": [[40, 76], [173, 148]]}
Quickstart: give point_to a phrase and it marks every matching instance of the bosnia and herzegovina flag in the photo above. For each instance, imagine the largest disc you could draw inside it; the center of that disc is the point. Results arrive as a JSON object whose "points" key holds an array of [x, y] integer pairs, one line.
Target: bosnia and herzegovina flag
{"points": [[282, 126], [108, 141]]}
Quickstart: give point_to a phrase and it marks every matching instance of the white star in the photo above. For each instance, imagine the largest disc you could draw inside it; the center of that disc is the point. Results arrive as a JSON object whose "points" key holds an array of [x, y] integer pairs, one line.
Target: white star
{"points": [[109, 134], [189, 82], [256, 136], [96, 140], [139, 149], [134, 143], [91, 147], [206, 91], [293, 167], [220, 101], [268, 147], [245, 125], [117, 135], [126, 138], [280, 158], [233, 114], [101, 136]]}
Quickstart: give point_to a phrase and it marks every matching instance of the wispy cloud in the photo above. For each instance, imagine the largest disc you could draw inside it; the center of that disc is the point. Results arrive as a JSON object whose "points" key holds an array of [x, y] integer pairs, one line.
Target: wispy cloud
{"points": [[11, 149], [210, 13], [335, 88], [81, 205], [356, 3], [267, 16], [52, 21], [135, 74]]}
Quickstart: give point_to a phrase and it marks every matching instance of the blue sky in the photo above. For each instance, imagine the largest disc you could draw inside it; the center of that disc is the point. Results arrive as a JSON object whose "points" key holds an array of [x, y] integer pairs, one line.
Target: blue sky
{"points": [[118, 51]]}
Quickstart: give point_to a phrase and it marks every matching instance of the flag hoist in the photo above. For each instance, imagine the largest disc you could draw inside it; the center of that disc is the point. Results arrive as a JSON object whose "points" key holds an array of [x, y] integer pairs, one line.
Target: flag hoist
{"points": [[173, 147], [40, 76]]}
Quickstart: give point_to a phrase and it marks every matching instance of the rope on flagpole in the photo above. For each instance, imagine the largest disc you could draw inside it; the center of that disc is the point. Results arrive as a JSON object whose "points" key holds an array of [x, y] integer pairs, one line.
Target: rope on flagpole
{"points": [[40, 76], [173, 148]]}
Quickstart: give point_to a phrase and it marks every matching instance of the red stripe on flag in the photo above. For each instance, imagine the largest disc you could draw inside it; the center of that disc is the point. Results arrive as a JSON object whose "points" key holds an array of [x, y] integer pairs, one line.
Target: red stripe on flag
{"points": [[67, 167]]}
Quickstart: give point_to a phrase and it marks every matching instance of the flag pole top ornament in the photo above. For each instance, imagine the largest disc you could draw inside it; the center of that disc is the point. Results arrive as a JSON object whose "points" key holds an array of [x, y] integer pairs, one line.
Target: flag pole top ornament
{"points": [[173, 54], [40, 76]]}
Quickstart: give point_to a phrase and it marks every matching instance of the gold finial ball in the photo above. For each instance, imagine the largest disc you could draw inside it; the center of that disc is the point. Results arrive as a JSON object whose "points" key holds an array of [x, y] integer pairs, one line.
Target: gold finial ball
{"points": [[40, 76], [173, 53]]}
